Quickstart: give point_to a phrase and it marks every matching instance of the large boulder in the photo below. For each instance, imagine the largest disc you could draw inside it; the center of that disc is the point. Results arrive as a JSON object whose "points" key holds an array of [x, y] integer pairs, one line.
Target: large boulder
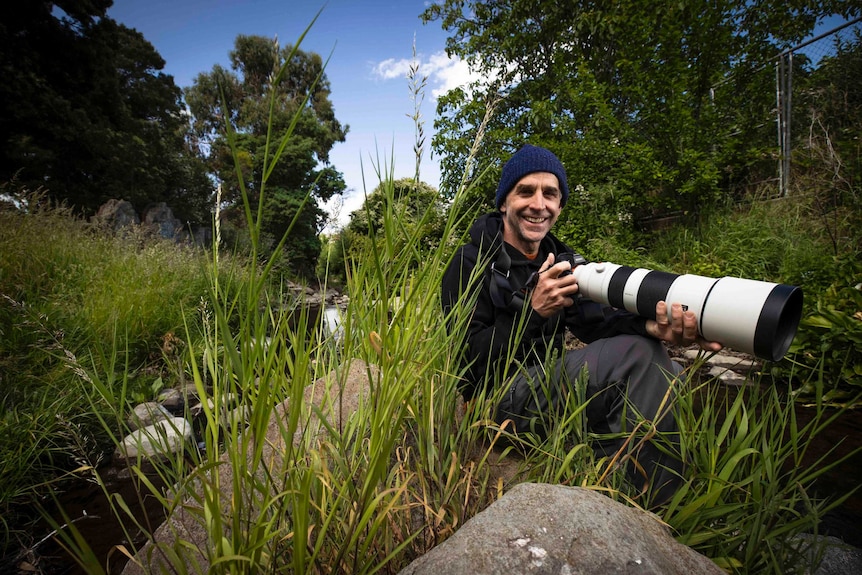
{"points": [[116, 215], [554, 529], [160, 219]]}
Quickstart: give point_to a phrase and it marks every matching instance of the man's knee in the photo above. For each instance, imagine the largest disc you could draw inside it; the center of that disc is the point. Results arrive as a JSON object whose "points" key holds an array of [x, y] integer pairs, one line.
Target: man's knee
{"points": [[629, 355], [636, 346]]}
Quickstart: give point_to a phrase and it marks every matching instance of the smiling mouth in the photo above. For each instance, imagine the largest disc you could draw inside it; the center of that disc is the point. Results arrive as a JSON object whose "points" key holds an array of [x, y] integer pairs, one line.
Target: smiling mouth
{"points": [[535, 220]]}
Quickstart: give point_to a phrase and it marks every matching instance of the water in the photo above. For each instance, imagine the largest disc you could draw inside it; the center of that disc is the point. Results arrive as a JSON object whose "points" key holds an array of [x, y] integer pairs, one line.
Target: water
{"points": [[331, 324]]}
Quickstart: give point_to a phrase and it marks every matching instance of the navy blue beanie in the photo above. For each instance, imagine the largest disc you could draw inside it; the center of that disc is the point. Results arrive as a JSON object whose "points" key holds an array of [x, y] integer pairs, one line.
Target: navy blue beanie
{"points": [[528, 160]]}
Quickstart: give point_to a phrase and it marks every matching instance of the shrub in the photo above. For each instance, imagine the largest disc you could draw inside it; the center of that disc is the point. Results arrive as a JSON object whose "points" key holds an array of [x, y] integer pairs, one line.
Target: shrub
{"points": [[829, 340]]}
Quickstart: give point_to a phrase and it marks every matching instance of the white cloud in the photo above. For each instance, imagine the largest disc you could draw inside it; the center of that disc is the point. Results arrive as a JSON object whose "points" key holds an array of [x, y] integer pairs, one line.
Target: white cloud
{"points": [[448, 73], [392, 68], [444, 73]]}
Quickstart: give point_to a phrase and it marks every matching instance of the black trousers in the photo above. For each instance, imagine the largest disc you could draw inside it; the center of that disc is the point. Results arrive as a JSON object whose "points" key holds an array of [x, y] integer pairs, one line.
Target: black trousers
{"points": [[629, 380]]}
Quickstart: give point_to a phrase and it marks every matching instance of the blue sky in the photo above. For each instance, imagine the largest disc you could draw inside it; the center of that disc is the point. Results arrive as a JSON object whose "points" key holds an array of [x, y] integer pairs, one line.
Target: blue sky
{"points": [[371, 45]]}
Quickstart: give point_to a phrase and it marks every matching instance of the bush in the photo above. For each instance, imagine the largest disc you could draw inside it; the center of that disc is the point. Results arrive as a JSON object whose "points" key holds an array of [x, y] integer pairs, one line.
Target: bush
{"points": [[595, 220], [829, 340], [787, 241]]}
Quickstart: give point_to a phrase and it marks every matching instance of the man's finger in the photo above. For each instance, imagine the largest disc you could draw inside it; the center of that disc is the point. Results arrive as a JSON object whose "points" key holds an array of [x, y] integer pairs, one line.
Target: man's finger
{"points": [[661, 313], [690, 325], [557, 270]]}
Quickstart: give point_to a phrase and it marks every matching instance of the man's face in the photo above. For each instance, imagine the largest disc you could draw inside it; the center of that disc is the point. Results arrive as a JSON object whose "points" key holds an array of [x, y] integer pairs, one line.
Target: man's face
{"points": [[530, 210]]}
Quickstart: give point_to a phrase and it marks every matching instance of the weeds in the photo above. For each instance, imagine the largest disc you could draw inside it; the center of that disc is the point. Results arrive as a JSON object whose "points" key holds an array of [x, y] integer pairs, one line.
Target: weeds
{"points": [[748, 492]]}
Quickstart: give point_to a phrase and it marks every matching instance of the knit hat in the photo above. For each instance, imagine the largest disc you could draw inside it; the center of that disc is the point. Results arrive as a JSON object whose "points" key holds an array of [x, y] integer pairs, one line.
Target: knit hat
{"points": [[528, 160]]}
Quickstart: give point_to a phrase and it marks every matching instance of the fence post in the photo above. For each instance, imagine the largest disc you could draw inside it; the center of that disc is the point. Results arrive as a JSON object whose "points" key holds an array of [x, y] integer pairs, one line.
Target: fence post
{"points": [[784, 89]]}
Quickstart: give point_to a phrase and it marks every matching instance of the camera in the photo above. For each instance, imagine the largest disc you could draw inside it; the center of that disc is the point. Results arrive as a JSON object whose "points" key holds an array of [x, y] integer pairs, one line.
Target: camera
{"points": [[574, 260], [760, 318]]}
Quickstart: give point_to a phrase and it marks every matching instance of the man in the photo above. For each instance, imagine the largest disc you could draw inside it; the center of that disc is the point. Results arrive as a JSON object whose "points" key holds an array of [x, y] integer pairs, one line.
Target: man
{"points": [[523, 290]]}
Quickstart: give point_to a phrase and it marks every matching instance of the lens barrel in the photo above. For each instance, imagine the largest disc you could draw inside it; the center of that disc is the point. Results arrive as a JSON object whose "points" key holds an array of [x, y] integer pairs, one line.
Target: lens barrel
{"points": [[756, 317]]}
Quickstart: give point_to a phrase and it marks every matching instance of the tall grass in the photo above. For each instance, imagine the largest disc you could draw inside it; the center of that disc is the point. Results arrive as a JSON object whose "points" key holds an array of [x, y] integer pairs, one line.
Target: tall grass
{"points": [[791, 241], [66, 286], [405, 471], [773, 240], [298, 487], [750, 489]]}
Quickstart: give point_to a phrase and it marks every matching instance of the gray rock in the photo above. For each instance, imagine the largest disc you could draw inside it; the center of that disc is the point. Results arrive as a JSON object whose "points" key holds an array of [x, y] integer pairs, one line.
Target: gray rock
{"points": [[331, 296], [202, 236], [189, 392], [172, 399], [161, 438], [116, 215], [160, 218], [838, 558], [741, 364], [146, 414], [554, 529], [728, 376]]}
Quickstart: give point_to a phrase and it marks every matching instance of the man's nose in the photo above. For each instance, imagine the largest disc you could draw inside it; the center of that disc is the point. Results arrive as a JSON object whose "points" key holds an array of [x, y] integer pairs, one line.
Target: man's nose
{"points": [[537, 202]]}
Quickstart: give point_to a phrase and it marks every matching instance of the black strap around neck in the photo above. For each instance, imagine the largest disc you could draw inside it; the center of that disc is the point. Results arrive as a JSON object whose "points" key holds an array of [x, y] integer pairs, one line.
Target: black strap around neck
{"points": [[502, 294], [501, 288]]}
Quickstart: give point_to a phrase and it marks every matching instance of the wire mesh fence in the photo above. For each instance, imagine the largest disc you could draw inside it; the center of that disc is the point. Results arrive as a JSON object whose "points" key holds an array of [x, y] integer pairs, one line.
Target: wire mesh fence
{"points": [[800, 104], [823, 76]]}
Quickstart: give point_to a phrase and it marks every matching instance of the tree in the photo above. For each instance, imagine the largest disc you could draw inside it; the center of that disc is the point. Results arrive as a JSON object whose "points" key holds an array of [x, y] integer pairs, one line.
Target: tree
{"points": [[241, 96], [621, 91], [86, 113], [402, 210]]}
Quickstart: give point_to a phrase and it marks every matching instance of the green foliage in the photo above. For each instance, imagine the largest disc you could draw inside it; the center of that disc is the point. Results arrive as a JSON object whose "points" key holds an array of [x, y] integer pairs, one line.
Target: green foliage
{"points": [[735, 244], [406, 470], [333, 259], [409, 212], [303, 107], [304, 488], [749, 485], [829, 340], [747, 491], [273, 500], [622, 93], [791, 241], [86, 113], [594, 218], [828, 112]]}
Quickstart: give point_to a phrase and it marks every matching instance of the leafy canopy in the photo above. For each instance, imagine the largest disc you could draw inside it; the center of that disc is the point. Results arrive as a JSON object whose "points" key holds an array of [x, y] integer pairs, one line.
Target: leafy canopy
{"points": [[621, 91], [86, 112], [240, 96]]}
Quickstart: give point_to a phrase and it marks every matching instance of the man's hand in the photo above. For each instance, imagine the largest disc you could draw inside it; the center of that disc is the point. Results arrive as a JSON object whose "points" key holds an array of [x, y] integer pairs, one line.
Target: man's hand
{"points": [[553, 292], [681, 329]]}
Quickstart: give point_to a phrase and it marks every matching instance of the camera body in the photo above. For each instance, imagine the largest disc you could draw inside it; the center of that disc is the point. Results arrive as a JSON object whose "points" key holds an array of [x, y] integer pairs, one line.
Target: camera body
{"points": [[756, 317], [574, 260]]}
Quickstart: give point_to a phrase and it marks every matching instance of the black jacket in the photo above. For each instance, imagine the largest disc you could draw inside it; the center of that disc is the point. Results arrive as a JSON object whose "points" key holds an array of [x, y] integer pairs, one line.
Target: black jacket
{"points": [[491, 326]]}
